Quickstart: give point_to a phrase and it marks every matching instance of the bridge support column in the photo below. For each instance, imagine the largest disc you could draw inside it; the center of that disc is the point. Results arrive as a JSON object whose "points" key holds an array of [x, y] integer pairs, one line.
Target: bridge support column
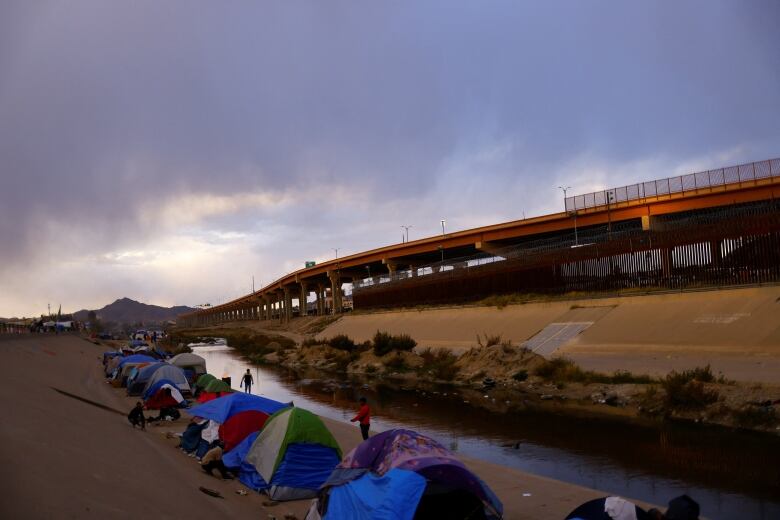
{"points": [[286, 311], [320, 293], [335, 282], [302, 306]]}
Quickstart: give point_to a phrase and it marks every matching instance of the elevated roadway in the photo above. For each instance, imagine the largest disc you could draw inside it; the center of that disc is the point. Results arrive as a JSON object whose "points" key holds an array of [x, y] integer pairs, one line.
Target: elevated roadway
{"points": [[325, 280]]}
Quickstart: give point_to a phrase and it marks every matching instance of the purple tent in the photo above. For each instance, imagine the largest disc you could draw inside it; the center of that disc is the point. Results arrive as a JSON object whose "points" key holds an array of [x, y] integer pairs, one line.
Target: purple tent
{"points": [[408, 450]]}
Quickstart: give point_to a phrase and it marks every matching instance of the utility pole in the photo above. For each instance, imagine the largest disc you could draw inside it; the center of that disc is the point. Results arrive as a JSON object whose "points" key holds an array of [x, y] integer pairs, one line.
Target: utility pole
{"points": [[336, 249], [442, 225], [253, 283]]}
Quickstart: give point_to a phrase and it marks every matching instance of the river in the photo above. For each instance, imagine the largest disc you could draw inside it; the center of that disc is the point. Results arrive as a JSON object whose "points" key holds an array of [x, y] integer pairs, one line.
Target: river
{"points": [[733, 475]]}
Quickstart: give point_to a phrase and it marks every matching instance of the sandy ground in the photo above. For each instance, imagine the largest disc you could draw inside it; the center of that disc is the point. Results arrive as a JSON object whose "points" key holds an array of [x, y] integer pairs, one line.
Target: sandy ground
{"points": [[737, 331], [64, 458]]}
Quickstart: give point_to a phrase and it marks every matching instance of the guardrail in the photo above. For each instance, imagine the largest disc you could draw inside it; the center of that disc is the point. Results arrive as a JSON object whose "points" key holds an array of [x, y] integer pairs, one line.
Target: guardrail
{"points": [[680, 184]]}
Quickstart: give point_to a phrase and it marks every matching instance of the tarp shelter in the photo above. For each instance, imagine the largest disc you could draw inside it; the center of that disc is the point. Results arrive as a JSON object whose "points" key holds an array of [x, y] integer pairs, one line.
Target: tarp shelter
{"points": [[188, 361], [291, 457], [137, 382], [112, 364], [171, 373], [239, 415], [448, 488], [214, 389]]}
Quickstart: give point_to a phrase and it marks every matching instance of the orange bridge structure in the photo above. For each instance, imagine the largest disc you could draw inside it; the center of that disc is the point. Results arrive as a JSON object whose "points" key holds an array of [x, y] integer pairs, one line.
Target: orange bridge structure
{"points": [[718, 227]]}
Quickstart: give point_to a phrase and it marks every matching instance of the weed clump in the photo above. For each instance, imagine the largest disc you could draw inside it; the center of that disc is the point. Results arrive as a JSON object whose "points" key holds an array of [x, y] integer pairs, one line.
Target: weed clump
{"points": [[562, 370], [686, 390], [520, 375], [440, 364], [385, 343], [341, 342], [755, 416]]}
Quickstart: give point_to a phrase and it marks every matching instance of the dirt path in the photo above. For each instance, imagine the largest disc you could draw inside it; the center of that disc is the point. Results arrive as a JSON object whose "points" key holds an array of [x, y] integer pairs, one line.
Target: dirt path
{"points": [[66, 458]]}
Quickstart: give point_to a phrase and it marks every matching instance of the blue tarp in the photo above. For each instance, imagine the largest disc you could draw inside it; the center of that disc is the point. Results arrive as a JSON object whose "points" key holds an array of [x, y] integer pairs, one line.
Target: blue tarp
{"points": [[137, 358], [191, 436], [222, 408], [305, 466], [394, 496]]}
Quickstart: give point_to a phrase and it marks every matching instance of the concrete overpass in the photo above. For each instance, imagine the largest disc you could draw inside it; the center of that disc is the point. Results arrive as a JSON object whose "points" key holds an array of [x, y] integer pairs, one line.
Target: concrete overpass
{"points": [[752, 182]]}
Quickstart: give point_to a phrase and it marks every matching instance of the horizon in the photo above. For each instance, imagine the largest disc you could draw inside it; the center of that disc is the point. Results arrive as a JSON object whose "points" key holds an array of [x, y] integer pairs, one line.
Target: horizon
{"points": [[175, 153]]}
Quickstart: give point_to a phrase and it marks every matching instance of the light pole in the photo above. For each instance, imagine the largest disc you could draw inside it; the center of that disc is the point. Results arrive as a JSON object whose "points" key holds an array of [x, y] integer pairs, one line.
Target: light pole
{"points": [[442, 225], [610, 196], [368, 268], [564, 189], [336, 249], [574, 214], [406, 228], [441, 248]]}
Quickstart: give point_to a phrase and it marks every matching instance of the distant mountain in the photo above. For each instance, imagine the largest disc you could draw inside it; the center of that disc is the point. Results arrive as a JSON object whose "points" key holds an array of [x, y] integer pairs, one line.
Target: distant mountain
{"points": [[130, 311]]}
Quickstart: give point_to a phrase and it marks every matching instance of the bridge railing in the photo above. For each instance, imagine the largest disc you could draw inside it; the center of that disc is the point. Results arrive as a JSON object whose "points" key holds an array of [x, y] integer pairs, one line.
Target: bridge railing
{"points": [[679, 184]]}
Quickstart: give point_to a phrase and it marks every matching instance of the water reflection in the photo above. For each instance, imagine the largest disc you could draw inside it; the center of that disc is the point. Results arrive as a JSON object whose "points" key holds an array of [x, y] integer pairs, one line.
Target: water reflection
{"points": [[732, 475]]}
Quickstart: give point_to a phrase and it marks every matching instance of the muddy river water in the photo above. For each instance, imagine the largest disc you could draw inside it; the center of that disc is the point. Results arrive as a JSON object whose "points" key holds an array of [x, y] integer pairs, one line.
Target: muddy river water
{"points": [[733, 475]]}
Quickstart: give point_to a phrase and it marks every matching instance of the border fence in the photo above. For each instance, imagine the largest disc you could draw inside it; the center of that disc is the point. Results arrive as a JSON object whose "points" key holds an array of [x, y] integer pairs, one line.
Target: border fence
{"points": [[679, 184], [730, 245]]}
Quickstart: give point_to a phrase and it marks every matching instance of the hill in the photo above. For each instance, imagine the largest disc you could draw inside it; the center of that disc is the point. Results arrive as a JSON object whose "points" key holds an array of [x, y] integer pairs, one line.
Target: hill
{"points": [[129, 311]]}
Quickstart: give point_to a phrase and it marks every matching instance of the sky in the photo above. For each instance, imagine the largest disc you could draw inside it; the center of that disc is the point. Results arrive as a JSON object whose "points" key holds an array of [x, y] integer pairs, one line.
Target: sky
{"points": [[169, 151]]}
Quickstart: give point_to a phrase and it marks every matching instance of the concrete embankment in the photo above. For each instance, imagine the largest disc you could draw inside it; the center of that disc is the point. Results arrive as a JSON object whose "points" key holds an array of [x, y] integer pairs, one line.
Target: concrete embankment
{"points": [[64, 457], [736, 331]]}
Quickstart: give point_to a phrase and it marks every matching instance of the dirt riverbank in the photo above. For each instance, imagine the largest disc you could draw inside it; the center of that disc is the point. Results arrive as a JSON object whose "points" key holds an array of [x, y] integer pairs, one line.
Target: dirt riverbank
{"points": [[68, 458]]}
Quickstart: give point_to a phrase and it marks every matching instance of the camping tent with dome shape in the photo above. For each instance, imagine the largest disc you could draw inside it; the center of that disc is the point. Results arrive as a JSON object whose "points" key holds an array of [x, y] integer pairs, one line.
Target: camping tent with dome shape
{"points": [[289, 458], [404, 475]]}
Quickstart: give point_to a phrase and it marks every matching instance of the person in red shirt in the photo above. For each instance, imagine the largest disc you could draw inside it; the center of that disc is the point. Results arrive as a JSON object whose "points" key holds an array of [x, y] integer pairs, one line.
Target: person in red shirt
{"points": [[364, 416]]}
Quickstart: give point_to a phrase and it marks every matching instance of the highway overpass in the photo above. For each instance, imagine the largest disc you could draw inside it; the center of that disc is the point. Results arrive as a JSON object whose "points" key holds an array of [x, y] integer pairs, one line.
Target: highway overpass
{"points": [[598, 229]]}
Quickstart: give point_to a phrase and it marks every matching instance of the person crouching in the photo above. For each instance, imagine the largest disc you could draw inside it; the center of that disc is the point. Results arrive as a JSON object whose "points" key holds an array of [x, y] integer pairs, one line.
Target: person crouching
{"points": [[213, 460], [136, 416]]}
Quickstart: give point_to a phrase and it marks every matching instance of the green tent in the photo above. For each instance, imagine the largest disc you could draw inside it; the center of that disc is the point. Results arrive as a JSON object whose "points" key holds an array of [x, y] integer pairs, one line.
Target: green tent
{"points": [[217, 385], [204, 380], [293, 454]]}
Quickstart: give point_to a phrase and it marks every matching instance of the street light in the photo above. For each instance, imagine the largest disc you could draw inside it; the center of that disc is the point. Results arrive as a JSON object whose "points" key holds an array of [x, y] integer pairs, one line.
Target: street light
{"points": [[406, 228], [442, 225], [564, 189], [336, 249]]}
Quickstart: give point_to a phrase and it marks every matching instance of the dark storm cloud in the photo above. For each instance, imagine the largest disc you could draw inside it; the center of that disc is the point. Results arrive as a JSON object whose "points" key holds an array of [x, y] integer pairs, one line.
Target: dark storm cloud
{"points": [[107, 106]]}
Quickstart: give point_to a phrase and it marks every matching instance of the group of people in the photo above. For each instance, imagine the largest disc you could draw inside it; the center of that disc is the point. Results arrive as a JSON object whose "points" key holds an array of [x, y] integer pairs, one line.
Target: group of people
{"points": [[138, 419], [616, 508]]}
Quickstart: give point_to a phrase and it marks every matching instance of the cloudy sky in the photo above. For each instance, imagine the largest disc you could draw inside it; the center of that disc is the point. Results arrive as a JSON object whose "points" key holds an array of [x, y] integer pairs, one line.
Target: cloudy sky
{"points": [[168, 151]]}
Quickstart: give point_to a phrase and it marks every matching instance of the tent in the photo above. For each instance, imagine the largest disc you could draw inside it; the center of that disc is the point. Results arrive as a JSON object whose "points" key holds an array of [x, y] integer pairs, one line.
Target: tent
{"points": [[239, 415], [358, 487], [291, 457], [126, 364], [214, 389], [191, 362], [112, 364], [203, 380], [173, 374], [137, 382], [166, 396]]}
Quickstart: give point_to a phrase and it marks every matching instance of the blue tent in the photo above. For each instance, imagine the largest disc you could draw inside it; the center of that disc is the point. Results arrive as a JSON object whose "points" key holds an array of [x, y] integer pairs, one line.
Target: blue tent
{"points": [[149, 392], [224, 407], [393, 496], [137, 358], [137, 381], [247, 473]]}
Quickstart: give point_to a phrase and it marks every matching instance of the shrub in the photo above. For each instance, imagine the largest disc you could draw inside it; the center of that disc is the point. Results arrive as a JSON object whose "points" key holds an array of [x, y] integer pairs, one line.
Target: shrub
{"points": [[342, 342], [565, 370], [520, 375], [440, 364], [684, 391], [396, 364], [385, 343], [489, 340], [310, 342]]}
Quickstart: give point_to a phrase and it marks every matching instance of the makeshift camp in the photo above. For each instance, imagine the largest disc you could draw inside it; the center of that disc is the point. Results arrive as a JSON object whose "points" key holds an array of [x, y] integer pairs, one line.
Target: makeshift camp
{"points": [[290, 458], [239, 415], [189, 362], [383, 474], [172, 374], [214, 389], [136, 382], [166, 396]]}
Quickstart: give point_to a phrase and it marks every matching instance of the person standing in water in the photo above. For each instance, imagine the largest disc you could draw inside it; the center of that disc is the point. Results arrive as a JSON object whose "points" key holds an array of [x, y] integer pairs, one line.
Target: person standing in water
{"points": [[364, 417], [246, 382]]}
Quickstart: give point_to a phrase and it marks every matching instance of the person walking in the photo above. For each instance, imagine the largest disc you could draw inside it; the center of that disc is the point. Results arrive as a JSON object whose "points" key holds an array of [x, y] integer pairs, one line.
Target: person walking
{"points": [[364, 417], [247, 382]]}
